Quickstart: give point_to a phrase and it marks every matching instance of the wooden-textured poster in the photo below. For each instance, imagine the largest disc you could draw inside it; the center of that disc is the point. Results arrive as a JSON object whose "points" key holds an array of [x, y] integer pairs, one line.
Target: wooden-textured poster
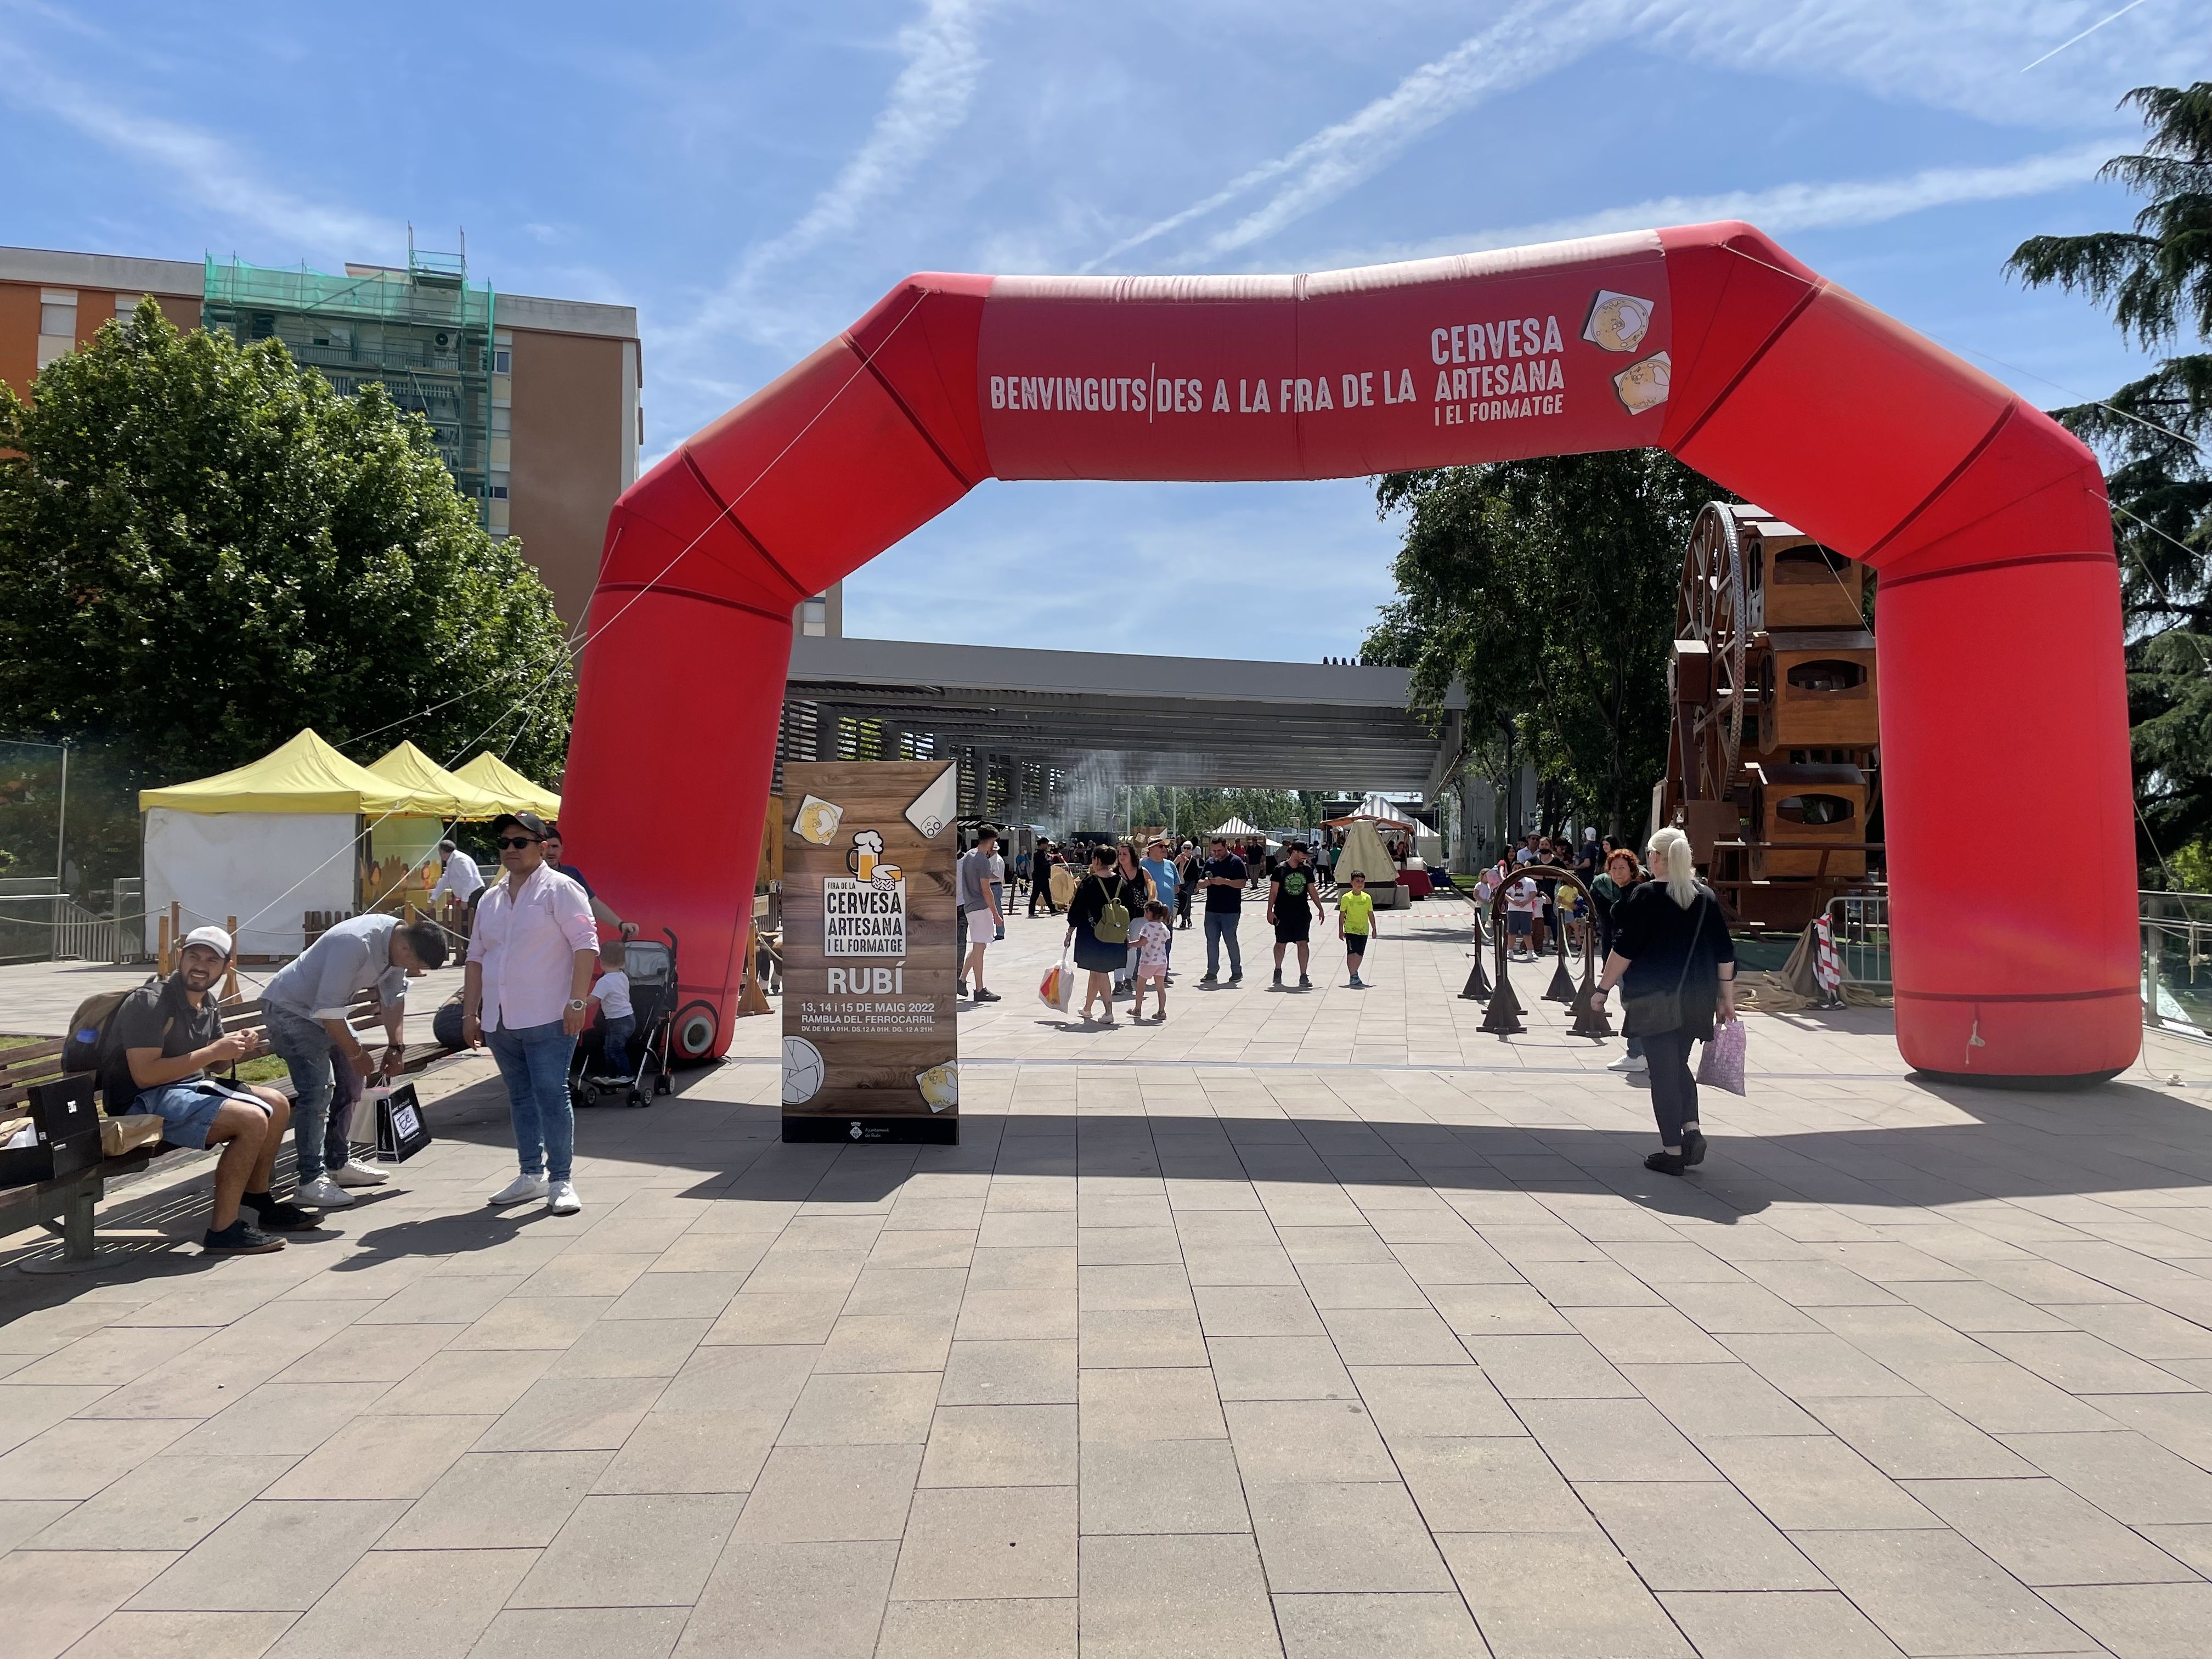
{"points": [[870, 1049]]}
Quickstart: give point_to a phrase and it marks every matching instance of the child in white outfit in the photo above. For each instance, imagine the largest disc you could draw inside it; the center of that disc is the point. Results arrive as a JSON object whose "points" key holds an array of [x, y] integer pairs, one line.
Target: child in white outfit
{"points": [[612, 991], [1151, 939]]}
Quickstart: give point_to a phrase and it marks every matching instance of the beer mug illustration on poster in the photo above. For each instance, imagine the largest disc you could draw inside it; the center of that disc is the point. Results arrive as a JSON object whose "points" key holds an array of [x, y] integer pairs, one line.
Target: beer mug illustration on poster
{"points": [[868, 849]]}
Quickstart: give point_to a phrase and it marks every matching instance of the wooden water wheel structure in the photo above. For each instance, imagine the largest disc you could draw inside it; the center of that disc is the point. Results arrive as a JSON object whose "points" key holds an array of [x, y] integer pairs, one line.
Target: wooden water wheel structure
{"points": [[1773, 761]]}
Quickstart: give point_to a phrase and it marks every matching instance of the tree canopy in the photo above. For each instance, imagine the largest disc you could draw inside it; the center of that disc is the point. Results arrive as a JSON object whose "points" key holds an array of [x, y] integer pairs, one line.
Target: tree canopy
{"points": [[1546, 588], [205, 548], [2155, 279]]}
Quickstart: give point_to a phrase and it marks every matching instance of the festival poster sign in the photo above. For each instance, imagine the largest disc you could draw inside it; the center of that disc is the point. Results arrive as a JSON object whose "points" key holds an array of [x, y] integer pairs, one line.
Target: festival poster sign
{"points": [[870, 1050]]}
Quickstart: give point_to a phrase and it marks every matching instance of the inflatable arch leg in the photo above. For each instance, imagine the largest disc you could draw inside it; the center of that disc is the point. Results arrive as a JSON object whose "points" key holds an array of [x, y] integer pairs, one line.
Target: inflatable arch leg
{"points": [[1999, 616]]}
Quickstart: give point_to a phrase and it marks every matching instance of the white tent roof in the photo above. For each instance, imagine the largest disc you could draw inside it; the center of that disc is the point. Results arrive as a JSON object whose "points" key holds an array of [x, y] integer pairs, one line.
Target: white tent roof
{"points": [[1236, 827]]}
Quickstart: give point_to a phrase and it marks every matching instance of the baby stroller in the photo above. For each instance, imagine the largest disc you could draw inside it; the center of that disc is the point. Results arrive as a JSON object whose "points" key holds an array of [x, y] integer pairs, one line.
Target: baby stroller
{"points": [[651, 969]]}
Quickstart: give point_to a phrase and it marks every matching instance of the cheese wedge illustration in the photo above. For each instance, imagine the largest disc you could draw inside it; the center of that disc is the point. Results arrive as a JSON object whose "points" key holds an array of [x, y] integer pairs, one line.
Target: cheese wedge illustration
{"points": [[939, 1085], [1644, 385], [937, 806], [1617, 322], [817, 820]]}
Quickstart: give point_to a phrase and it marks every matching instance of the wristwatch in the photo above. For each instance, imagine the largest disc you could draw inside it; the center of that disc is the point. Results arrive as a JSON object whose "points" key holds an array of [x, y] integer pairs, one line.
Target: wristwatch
{"points": [[575, 1005]]}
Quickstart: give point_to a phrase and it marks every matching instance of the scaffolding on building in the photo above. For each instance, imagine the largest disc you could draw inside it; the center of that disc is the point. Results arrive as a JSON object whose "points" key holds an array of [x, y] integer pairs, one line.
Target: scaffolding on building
{"points": [[424, 332]]}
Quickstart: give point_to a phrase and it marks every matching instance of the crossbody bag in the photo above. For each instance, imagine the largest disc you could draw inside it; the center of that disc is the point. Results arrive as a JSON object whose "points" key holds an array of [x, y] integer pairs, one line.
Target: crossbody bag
{"points": [[1653, 1012]]}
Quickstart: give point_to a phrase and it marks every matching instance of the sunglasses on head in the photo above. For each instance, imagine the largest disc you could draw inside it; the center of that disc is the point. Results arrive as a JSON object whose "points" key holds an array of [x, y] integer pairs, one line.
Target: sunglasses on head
{"points": [[518, 841]]}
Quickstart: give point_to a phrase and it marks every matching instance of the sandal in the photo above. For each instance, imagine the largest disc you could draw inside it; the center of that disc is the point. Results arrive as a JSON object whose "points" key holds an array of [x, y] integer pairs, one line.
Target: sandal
{"points": [[1694, 1147], [1664, 1162]]}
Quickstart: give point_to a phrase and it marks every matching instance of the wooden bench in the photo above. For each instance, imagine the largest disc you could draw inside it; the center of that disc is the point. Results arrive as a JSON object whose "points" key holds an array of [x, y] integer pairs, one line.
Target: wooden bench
{"points": [[66, 1205]]}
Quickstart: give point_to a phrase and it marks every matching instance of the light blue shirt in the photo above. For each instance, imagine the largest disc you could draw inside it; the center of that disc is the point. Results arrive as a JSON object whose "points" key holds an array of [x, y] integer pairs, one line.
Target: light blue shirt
{"points": [[1163, 878], [322, 980]]}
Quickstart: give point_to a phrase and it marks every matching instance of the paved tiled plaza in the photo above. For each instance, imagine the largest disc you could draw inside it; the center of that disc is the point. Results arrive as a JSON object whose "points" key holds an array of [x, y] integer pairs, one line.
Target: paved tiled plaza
{"points": [[1318, 1324]]}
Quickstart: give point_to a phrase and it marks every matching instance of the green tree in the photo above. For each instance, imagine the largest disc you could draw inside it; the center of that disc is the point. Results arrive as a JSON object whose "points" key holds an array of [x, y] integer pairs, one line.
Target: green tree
{"points": [[1546, 589], [2155, 280], [205, 548]]}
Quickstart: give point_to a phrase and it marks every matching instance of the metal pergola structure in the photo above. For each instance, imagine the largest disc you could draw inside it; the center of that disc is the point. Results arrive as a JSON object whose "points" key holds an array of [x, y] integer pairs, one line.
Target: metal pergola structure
{"points": [[1022, 721]]}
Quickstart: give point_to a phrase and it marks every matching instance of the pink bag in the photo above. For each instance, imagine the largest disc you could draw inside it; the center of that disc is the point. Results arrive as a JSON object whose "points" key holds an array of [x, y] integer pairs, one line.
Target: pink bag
{"points": [[1721, 1066]]}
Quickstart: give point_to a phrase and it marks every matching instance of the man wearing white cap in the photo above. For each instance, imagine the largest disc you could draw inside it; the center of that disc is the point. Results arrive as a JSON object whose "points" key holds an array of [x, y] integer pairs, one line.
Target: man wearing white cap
{"points": [[155, 1057]]}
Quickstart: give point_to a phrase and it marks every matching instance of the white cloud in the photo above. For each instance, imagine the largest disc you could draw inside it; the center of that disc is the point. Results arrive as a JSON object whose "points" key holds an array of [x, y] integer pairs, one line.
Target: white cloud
{"points": [[928, 102], [1528, 43], [1781, 208], [209, 170]]}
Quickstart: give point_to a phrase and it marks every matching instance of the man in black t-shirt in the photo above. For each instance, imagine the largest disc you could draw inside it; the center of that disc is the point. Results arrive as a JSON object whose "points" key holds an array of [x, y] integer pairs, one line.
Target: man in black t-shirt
{"points": [[1224, 881], [1292, 898], [154, 1055]]}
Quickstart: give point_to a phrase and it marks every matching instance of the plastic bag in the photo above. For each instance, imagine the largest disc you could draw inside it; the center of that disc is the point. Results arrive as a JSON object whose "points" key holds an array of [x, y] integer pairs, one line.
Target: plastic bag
{"points": [[1721, 1066], [1057, 988]]}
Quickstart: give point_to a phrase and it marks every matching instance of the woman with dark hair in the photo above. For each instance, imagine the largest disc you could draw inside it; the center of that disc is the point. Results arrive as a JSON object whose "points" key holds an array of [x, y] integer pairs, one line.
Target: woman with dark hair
{"points": [[1101, 958], [1675, 964], [1611, 890]]}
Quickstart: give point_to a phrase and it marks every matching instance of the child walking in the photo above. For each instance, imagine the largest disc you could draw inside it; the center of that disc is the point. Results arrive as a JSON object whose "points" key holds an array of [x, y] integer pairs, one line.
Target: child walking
{"points": [[1152, 938], [1355, 923]]}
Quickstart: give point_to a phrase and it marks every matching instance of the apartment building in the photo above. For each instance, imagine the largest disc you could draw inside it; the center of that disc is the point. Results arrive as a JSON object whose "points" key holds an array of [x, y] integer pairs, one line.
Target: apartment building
{"points": [[534, 403]]}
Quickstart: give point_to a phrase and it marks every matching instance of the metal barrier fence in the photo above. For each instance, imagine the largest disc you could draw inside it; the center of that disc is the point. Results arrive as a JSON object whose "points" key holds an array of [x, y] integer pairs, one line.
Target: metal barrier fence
{"points": [[1859, 924], [55, 927], [2177, 962]]}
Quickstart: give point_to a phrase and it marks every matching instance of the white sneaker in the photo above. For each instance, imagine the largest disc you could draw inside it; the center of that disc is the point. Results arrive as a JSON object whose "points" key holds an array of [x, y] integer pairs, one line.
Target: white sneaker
{"points": [[520, 1190], [355, 1173], [564, 1200], [1630, 1063], [322, 1194]]}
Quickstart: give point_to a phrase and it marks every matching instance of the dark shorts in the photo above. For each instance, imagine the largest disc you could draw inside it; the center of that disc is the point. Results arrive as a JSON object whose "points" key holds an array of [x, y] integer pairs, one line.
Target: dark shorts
{"points": [[1520, 924], [1355, 945], [1295, 928]]}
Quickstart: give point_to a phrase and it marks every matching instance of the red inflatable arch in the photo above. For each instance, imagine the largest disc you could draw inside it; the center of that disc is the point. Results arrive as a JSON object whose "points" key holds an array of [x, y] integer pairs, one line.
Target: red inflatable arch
{"points": [[2003, 711]]}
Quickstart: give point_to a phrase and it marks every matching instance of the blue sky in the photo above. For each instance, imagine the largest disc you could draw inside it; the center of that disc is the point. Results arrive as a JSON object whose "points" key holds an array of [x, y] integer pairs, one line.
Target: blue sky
{"points": [[752, 177]]}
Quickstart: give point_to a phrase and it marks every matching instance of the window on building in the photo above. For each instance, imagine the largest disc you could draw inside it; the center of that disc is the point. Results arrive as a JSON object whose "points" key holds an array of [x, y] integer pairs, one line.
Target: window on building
{"points": [[498, 492], [814, 618], [57, 315], [126, 306], [502, 420], [503, 360]]}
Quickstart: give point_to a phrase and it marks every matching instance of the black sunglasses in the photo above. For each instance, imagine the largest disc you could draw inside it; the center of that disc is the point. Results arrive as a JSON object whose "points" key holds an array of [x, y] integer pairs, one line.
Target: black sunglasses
{"points": [[518, 841]]}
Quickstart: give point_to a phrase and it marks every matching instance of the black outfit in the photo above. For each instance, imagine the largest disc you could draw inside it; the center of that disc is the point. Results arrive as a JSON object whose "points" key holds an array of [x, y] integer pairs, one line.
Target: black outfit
{"points": [[1187, 875], [1225, 900], [156, 1015], [1092, 953], [1667, 945], [1041, 865], [1606, 898], [1299, 892]]}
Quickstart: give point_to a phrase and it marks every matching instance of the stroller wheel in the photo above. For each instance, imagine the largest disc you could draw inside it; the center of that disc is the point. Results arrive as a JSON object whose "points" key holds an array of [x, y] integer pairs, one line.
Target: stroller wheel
{"points": [[639, 1098], [664, 1084]]}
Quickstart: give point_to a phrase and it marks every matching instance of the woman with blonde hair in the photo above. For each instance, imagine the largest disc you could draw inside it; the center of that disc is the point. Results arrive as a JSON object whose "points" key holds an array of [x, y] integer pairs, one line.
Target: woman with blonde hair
{"points": [[1675, 964]]}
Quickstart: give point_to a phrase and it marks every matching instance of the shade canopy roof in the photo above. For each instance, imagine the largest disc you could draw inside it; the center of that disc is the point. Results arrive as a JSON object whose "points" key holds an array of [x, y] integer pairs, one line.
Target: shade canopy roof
{"points": [[1236, 827], [436, 790], [514, 792], [304, 775]]}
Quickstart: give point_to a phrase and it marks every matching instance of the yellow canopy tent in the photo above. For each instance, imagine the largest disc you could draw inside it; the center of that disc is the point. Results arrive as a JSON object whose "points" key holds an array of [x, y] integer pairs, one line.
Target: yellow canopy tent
{"points": [[266, 842], [435, 792], [515, 793]]}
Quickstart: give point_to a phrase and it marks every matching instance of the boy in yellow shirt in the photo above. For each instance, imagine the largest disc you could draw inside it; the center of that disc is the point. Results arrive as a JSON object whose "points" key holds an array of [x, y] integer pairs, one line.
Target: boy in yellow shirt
{"points": [[1355, 923]]}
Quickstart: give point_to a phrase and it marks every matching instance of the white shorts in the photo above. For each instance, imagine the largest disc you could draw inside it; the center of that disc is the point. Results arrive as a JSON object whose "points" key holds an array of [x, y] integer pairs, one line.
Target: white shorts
{"points": [[981, 929]]}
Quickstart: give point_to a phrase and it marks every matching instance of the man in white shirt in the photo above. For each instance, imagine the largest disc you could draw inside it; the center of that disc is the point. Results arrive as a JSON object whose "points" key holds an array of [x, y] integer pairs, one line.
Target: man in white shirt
{"points": [[458, 876], [979, 901], [531, 952]]}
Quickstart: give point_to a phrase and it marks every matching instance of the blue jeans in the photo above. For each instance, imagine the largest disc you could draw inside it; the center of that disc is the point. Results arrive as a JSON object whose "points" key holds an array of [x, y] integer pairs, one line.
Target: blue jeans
{"points": [[614, 1061], [533, 1062], [1222, 925], [318, 1134]]}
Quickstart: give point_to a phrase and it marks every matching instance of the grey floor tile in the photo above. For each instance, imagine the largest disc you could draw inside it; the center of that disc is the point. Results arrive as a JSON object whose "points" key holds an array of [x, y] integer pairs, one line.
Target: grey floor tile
{"points": [[1912, 1437], [282, 1418], [962, 1544], [1767, 1626], [1500, 1484], [2042, 1534], [1612, 1440], [33, 1408], [1175, 1598], [737, 1378], [1031, 1629], [573, 1413], [111, 1355], [601, 1632], [502, 1500], [631, 1552], [992, 1312], [888, 1342], [1548, 1368], [1487, 1310], [2081, 1364], [1294, 1440], [692, 1452], [1432, 1401], [1279, 1368], [444, 1301], [1010, 1373], [1177, 1404], [1816, 1482], [1697, 1535], [408, 1604], [1815, 1367], [806, 1600], [1343, 1535], [1161, 1486], [1711, 1401], [463, 1382], [2181, 1423], [831, 1495], [1001, 1446], [683, 1295], [762, 1317], [273, 1557], [525, 1322], [27, 1517], [1257, 1310], [1117, 1338], [1933, 1592], [2132, 1479], [382, 1457], [166, 1503], [632, 1347], [182, 1636], [368, 1353], [1540, 1595], [78, 1457], [2141, 1621], [1357, 1627], [2001, 1398], [54, 1598], [879, 1409], [1393, 1336]]}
